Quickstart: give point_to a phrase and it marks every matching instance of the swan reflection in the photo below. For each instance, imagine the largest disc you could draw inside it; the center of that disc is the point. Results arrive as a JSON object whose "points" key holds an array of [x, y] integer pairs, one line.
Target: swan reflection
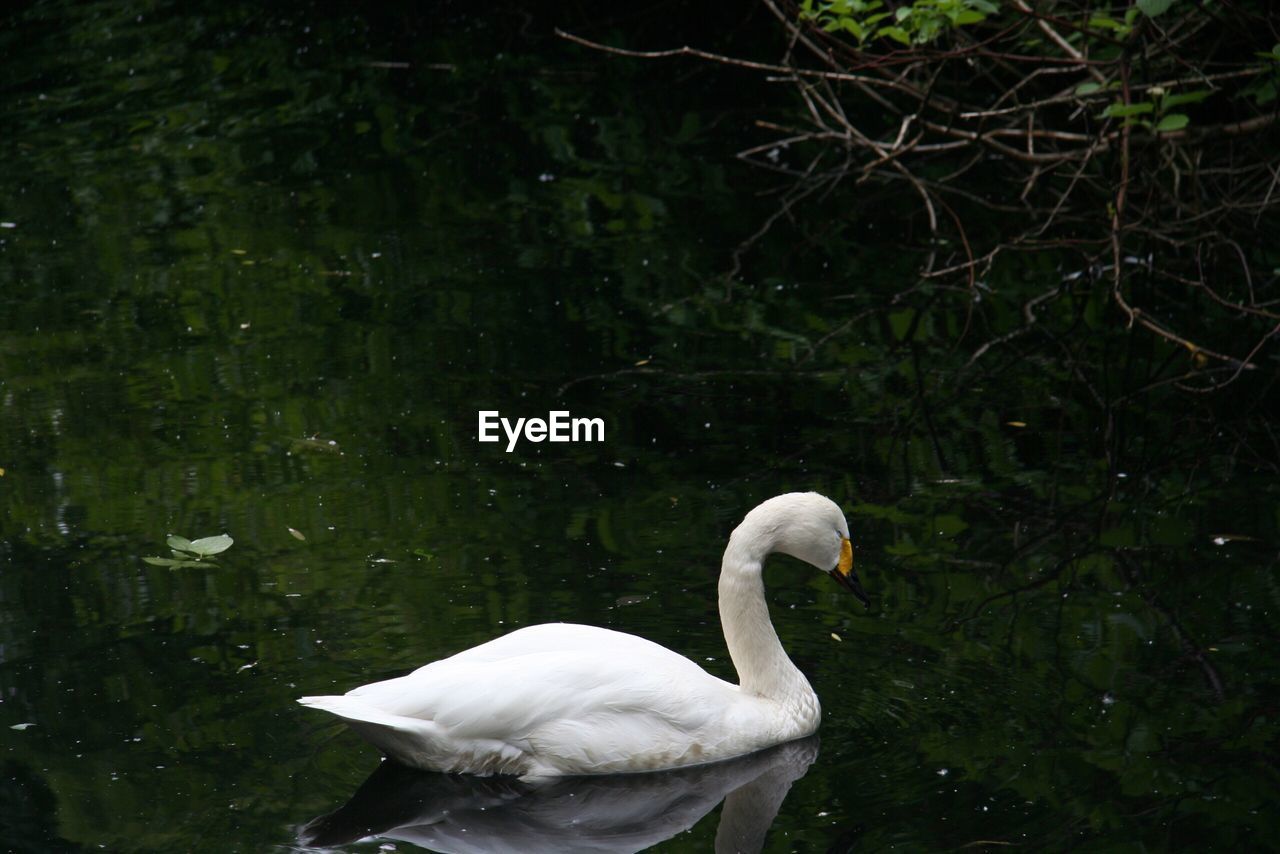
{"points": [[631, 812]]}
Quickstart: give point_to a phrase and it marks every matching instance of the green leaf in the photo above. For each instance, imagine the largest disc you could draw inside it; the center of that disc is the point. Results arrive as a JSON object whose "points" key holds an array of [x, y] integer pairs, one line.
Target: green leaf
{"points": [[854, 28], [1173, 121], [949, 525], [968, 16], [1171, 101], [1088, 88], [1107, 23], [900, 322], [1123, 111], [1151, 8], [896, 33], [178, 543], [166, 561], [212, 545]]}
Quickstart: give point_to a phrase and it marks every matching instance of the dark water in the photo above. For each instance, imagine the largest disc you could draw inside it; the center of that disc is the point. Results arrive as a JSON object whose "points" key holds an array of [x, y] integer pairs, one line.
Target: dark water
{"points": [[259, 272]]}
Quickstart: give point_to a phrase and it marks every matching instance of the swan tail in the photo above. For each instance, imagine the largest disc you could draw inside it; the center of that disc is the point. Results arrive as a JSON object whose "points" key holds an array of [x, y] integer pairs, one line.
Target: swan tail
{"points": [[422, 743], [353, 711], [411, 741]]}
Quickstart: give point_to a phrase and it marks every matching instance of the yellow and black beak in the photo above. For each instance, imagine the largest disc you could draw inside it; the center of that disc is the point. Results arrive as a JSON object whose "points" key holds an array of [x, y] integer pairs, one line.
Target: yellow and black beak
{"points": [[846, 577]]}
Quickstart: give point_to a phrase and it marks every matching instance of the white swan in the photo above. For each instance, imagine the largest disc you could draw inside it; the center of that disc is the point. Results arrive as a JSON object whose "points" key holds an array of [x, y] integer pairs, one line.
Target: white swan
{"points": [[560, 699]]}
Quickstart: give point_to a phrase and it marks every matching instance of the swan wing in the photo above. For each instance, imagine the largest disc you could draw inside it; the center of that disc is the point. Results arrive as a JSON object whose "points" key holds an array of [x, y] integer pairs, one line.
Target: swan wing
{"points": [[558, 637], [565, 699]]}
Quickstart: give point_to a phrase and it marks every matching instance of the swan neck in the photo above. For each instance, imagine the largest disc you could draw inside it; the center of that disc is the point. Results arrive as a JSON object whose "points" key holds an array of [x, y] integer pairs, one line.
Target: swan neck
{"points": [[763, 666]]}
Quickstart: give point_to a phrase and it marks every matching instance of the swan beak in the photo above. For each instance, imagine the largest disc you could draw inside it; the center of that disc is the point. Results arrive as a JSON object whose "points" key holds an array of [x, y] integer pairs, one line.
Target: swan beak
{"points": [[845, 575]]}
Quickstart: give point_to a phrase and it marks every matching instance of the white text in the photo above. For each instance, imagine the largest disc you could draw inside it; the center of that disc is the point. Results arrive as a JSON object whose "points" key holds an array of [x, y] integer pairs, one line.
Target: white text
{"points": [[558, 426]]}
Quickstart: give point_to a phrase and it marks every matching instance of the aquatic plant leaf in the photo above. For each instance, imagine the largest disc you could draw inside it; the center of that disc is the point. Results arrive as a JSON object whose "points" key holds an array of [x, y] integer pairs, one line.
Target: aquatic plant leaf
{"points": [[178, 543], [167, 561], [211, 545]]}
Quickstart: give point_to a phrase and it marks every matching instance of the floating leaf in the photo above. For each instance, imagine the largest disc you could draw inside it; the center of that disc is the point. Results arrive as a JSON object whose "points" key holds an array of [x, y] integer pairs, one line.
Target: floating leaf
{"points": [[315, 443], [211, 545], [296, 534], [168, 561], [181, 544], [21, 727]]}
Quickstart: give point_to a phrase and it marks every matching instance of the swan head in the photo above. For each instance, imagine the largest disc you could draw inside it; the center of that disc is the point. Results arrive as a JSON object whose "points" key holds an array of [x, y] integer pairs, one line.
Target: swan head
{"points": [[806, 526]]}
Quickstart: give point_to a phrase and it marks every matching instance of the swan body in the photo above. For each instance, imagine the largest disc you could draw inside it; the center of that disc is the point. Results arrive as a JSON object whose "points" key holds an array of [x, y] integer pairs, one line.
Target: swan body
{"points": [[559, 699]]}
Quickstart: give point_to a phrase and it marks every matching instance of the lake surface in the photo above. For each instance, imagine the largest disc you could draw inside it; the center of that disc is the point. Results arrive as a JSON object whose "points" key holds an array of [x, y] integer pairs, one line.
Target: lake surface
{"points": [[259, 271]]}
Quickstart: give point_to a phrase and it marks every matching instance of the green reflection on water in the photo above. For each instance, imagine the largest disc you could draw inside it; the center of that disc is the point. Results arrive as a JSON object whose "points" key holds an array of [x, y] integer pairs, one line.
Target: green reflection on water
{"points": [[237, 232]]}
